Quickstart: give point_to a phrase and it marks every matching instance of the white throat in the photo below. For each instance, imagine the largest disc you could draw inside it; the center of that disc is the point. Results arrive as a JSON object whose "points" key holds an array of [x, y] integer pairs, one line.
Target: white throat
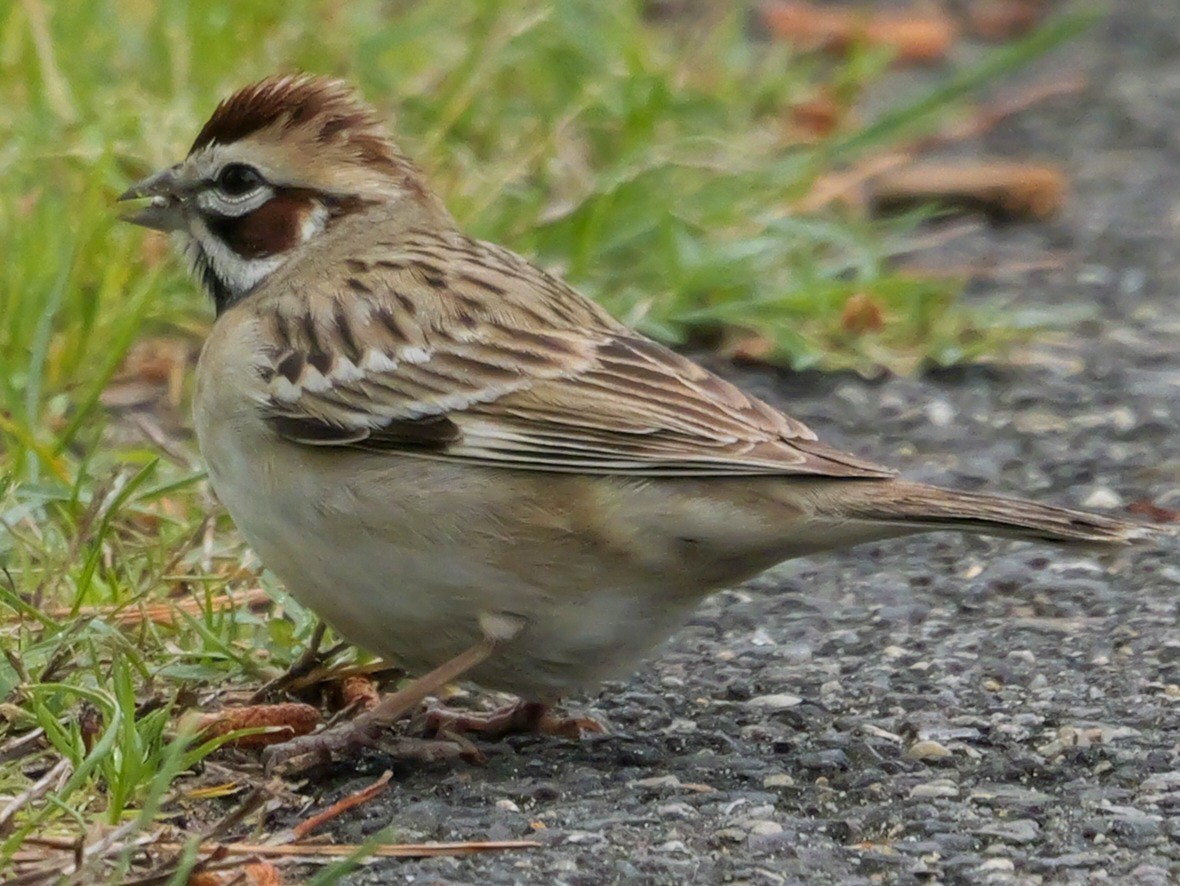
{"points": [[207, 254]]}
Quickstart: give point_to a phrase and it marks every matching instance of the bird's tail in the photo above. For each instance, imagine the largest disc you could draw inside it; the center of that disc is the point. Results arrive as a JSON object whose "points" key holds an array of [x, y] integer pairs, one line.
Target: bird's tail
{"points": [[916, 507]]}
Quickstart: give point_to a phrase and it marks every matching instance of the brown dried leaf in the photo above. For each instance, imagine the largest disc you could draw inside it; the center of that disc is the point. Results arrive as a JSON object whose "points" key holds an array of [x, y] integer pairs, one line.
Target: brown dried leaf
{"points": [[917, 36], [749, 348], [283, 722], [1003, 19], [1001, 188], [1153, 512], [862, 313], [848, 188], [261, 873], [817, 117], [359, 690]]}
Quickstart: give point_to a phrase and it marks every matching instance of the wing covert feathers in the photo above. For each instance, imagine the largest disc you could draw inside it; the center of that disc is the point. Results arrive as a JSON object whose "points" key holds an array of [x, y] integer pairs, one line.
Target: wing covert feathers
{"points": [[452, 348]]}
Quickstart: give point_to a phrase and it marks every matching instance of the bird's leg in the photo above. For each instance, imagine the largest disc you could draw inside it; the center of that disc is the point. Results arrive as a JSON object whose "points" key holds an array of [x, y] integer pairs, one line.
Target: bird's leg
{"points": [[367, 729], [523, 717]]}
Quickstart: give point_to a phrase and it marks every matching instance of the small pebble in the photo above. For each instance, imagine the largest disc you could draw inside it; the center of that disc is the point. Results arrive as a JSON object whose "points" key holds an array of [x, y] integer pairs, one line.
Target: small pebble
{"points": [[1103, 497], [764, 828], [928, 749], [998, 865], [657, 781], [676, 810], [779, 702], [934, 789], [778, 780], [940, 413]]}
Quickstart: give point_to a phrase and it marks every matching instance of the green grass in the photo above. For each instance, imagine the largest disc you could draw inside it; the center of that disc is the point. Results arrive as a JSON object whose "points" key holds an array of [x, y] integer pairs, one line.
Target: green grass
{"points": [[648, 164]]}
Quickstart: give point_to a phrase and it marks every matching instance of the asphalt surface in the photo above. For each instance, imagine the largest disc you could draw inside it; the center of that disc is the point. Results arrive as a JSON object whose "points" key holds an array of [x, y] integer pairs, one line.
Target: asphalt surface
{"points": [[938, 709]]}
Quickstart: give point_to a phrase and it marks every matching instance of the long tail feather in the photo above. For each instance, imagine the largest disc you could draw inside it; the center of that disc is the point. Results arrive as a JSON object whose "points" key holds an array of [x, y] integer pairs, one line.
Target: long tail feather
{"points": [[931, 508]]}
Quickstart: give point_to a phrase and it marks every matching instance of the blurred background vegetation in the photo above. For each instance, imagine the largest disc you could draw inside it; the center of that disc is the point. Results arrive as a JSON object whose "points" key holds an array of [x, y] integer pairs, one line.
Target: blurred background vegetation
{"points": [[653, 163]]}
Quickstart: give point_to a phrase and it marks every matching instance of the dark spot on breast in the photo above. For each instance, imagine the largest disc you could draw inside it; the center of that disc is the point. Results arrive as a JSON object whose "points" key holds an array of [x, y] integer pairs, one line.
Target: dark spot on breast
{"points": [[356, 265], [357, 286], [390, 265], [291, 367], [465, 319]]}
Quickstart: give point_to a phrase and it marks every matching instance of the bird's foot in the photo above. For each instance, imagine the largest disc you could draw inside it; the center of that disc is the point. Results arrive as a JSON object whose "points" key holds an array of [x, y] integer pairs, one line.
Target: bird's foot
{"points": [[347, 739], [370, 729], [523, 717]]}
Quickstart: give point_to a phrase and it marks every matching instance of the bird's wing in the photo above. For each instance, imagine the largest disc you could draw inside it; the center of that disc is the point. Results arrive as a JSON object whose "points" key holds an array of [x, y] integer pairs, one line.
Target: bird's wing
{"points": [[449, 348]]}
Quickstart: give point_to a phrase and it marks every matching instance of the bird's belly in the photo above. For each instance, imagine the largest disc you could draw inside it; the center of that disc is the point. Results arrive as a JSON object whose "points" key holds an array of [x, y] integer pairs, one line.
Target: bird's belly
{"points": [[402, 556]]}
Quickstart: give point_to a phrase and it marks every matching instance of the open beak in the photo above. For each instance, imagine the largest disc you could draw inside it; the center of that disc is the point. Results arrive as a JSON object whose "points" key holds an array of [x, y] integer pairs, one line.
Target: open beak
{"points": [[154, 202]]}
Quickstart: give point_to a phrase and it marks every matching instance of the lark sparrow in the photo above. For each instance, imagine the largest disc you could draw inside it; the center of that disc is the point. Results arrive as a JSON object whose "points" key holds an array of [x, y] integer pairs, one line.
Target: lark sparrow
{"points": [[453, 457]]}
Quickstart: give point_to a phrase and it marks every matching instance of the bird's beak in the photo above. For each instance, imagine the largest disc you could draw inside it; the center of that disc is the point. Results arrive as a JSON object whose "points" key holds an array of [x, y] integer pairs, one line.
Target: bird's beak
{"points": [[155, 202]]}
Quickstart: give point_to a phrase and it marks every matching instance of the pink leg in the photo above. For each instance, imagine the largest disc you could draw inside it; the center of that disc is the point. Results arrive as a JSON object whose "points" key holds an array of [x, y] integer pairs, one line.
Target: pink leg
{"points": [[523, 717]]}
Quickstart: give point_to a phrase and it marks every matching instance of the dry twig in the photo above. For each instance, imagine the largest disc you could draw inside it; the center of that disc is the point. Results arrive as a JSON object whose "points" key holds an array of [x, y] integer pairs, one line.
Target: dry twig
{"points": [[51, 780], [1002, 189], [917, 36], [358, 798], [165, 612], [320, 851]]}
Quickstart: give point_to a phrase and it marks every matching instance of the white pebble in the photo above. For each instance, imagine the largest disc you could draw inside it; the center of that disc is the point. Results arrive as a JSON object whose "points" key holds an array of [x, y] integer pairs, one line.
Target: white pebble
{"points": [[778, 780], [1103, 497], [935, 789], [764, 828], [779, 702]]}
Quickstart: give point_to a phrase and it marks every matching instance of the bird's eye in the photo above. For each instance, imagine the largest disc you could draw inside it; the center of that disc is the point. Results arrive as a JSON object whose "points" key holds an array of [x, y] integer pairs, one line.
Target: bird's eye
{"points": [[237, 179]]}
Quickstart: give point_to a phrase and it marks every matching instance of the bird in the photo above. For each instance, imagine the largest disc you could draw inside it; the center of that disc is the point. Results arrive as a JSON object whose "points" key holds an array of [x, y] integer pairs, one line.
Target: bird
{"points": [[457, 460]]}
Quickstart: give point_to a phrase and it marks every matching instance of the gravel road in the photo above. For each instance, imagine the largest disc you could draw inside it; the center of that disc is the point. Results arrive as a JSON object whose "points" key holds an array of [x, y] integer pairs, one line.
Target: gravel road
{"points": [[932, 710]]}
